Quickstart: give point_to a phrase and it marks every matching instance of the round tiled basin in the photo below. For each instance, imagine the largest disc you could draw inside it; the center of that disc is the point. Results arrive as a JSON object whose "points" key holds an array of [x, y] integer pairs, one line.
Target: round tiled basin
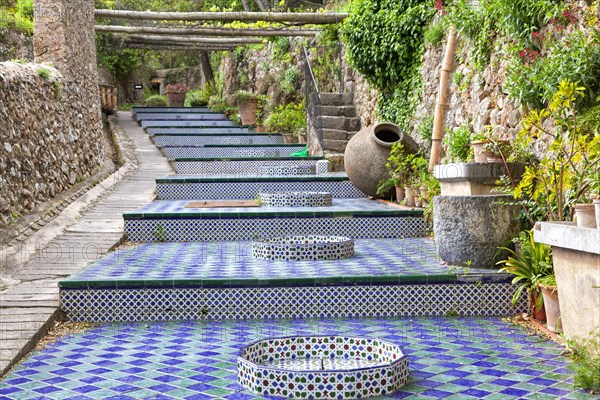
{"points": [[296, 199], [303, 248], [286, 170], [322, 367]]}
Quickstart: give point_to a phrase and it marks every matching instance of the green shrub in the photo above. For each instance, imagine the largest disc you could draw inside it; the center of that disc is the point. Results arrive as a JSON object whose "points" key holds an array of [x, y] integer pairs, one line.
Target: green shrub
{"points": [[288, 80], [457, 143], [290, 118], [434, 34], [384, 42], [156, 101], [44, 73]]}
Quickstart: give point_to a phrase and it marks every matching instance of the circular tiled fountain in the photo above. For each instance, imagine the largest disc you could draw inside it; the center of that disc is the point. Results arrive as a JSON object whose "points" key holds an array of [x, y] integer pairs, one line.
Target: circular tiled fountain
{"points": [[296, 199], [303, 248], [323, 367]]}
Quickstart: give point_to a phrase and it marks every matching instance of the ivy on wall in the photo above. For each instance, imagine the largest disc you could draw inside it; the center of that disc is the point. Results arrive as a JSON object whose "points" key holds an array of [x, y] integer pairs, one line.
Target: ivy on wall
{"points": [[384, 42]]}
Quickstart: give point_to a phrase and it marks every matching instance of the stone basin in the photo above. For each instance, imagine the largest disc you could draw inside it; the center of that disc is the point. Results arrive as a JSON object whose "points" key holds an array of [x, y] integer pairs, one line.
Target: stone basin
{"points": [[317, 367], [303, 248]]}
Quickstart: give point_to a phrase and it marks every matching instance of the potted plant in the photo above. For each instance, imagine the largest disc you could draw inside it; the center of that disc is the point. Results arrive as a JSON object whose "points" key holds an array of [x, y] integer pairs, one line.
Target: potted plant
{"points": [[248, 104], [457, 144], [593, 181], [547, 285], [399, 171], [176, 93], [477, 142], [260, 113], [496, 150], [529, 265]]}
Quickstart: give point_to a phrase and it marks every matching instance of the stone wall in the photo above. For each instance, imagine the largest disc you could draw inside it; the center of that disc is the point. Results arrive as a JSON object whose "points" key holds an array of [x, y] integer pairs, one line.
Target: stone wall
{"points": [[46, 141]]}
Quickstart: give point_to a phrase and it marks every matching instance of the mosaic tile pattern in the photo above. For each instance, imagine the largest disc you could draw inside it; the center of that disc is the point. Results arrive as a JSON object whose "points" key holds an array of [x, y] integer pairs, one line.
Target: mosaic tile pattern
{"points": [[168, 110], [453, 358], [328, 301], [198, 140], [322, 167], [181, 117], [296, 199], [215, 130], [287, 170], [303, 248], [210, 263], [186, 124], [263, 367], [249, 190], [248, 228], [235, 167], [226, 152]]}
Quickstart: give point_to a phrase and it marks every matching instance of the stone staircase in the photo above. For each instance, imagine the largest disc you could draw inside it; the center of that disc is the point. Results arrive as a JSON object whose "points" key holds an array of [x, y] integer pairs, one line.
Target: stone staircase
{"points": [[340, 123]]}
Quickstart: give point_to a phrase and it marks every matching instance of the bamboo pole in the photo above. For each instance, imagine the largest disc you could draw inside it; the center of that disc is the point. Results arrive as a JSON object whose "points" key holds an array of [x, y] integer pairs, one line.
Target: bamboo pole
{"points": [[442, 102], [189, 40], [302, 17], [206, 31]]}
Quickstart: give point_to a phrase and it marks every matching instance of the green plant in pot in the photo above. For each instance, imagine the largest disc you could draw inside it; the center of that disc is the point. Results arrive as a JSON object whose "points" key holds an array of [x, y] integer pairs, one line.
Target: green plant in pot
{"points": [[457, 144], [248, 103], [547, 285], [496, 150], [531, 262], [261, 110], [478, 140], [399, 170], [176, 93]]}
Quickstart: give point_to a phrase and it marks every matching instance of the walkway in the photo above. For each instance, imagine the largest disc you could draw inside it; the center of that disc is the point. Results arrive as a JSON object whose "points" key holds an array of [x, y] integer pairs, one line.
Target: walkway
{"points": [[28, 307]]}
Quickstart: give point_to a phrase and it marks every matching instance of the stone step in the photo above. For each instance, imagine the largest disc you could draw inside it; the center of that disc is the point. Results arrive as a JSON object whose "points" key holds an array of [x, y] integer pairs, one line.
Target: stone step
{"points": [[338, 111], [338, 146], [246, 166], [213, 130], [335, 134], [199, 140], [186, 123], [175, 221], [185, 188], [180, 116], [193, 281], [341, 123], [335, 99], [335, 159]]}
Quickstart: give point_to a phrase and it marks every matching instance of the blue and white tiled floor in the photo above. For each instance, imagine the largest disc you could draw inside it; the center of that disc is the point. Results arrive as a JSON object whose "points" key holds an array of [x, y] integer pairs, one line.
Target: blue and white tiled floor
{"points": [[450, 358], [233, 260]]}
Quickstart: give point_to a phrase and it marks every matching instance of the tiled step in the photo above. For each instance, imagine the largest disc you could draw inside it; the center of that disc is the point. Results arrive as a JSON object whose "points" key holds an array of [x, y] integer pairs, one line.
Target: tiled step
{"points": [[192, 281], [162, 140], [358, 218], [169, 110], [187, 124], [181, 116], [184, 188], [220, 130], [239, 166], [237, 151]]}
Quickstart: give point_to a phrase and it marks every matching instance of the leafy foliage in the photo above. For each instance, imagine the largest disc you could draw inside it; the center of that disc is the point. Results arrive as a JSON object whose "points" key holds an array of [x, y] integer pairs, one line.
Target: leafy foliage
{"points": [[289, 118], [586, 361], [156, 101], [18, 17], [384, 41], [457, 143]]}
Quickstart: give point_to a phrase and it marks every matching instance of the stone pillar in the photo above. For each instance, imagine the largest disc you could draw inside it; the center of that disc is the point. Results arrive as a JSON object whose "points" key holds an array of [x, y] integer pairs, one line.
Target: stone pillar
{"points": [[64, 36]]}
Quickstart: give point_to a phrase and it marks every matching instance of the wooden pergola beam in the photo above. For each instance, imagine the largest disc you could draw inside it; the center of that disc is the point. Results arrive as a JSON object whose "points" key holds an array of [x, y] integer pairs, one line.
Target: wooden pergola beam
{"points": [[206, 31], [290, 17], [188, 40], [170, 47]]}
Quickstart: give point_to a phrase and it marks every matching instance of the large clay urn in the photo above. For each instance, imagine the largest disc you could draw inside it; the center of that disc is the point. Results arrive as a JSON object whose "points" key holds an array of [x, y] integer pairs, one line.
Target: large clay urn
{"points": [[367, 153]]}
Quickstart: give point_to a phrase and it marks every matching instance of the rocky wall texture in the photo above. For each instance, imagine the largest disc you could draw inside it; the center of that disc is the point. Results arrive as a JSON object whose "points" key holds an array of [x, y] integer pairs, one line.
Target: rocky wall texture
{"points": [[48, 136]]}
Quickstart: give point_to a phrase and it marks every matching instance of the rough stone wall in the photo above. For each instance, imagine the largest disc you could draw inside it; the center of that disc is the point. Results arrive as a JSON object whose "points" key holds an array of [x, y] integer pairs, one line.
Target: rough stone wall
{"points": [[46, 144]]}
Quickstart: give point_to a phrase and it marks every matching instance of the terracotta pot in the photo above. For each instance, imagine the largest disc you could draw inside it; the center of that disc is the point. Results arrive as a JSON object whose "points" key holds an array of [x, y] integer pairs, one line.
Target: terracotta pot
{"points": [[597, 210], [410, 196], [586, 215], [537, 313], [552, 308], [248, 111], [176, 99], [260, 128], [367, 153], [477, 145], [400, 194]]}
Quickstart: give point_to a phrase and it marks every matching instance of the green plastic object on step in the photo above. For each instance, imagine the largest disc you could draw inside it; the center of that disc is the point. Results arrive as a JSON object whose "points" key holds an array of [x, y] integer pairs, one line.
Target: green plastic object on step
{"points": [[301, 153]]}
